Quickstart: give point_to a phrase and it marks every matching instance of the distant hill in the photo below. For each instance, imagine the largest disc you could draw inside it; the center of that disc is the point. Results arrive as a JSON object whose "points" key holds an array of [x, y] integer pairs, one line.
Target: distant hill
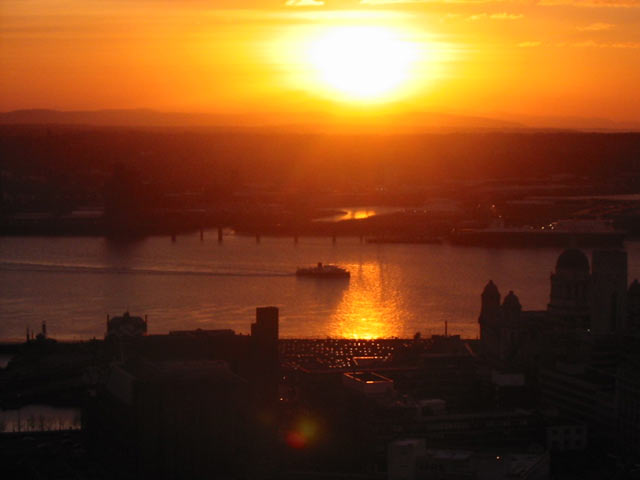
{"points": [[575, 123], [135, 117], [416, 122], [405, 123]]}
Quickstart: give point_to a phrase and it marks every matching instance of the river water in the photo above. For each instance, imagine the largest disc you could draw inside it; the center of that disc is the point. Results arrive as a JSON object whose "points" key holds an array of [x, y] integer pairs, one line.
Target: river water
{"points": [[395, 289]]}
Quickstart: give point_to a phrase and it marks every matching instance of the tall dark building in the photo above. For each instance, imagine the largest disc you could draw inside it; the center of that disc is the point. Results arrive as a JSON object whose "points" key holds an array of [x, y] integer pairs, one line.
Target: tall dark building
{"points": [[489, 317], [1, 194], [608, 292], [628, 398], [633, 307], [266, 324], [264, 378], [264, 340]]}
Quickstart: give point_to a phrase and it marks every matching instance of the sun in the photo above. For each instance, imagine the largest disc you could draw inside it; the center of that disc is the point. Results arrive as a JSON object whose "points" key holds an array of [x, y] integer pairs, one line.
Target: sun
{"points": [[363, 63]]}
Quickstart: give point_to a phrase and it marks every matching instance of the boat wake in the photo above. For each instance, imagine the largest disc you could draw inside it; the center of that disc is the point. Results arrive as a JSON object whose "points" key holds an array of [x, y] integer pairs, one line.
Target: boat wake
{"points": [[105, 270]]}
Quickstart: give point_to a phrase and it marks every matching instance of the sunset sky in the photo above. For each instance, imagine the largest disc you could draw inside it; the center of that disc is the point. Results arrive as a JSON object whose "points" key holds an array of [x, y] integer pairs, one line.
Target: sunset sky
{"points": [[506, 59]]}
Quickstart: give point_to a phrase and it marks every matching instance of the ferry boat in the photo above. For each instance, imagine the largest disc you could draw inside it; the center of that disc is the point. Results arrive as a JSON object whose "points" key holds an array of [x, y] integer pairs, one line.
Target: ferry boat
{"points": [[563, 233], [323, 271]]}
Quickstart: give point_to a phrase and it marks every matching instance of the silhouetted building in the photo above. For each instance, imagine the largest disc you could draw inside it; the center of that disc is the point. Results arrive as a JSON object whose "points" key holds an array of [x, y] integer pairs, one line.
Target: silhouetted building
{"points": [[266, 362], [370, 384], [264, 333], [582, 394], [609, 292], [412, 460], [564, 435], [126, 326], [190, 404], [584, 308], [173, 419], [633, 307], [569, 303], [507, 333], [628, 399], [509, 390], [573, 348], [489, 319], [2, 204]]}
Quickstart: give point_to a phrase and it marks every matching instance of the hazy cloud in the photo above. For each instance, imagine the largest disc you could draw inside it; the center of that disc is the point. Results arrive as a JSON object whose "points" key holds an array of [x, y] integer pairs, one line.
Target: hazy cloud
{"points": [[415, 2], [495, 16], [591, 43], [329, 4], [529, 44], [596, 27], [592, 3], [574, 3], [354, 4], [506, 16], [304, 3]]}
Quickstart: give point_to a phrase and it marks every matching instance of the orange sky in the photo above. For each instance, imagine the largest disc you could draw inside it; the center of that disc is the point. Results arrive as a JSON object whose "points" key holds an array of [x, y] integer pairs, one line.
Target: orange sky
{"points": [[505, 59]]}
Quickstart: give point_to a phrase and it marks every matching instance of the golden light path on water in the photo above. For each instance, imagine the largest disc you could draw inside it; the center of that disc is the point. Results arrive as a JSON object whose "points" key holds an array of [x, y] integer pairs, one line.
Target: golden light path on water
{"points": [[394, 290], [367, 310]]}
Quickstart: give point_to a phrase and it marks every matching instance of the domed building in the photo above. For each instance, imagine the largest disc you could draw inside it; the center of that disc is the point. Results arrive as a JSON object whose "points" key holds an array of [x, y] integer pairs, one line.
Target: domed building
{"points": [[569, 302], [582, 350], [126, 326], [511, 307], [573, 259], [584, 302], [504, 328]]}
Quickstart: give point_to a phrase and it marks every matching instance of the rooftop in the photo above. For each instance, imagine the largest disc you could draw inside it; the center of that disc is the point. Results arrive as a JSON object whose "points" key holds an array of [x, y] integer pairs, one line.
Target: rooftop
{"points": [[368, 377], [182, 371]]}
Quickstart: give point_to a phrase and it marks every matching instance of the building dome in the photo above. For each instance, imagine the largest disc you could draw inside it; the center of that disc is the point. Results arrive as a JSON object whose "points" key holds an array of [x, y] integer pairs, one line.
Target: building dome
{"points": [[490, 289], [511, 301], [573, 259]]}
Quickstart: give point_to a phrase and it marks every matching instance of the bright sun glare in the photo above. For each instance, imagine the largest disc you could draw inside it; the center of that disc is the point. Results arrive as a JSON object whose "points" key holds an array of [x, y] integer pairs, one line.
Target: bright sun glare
{"points": [[362, 62]]}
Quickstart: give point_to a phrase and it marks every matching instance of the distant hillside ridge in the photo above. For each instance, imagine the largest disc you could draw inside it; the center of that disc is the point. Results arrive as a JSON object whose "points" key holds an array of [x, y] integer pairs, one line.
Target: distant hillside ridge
{"points": [[412, 122], [305, 122]]}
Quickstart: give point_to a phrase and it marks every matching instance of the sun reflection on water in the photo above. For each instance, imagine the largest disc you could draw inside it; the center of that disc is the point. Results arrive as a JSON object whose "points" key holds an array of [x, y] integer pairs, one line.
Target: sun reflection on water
{"points": [[368, 310]]}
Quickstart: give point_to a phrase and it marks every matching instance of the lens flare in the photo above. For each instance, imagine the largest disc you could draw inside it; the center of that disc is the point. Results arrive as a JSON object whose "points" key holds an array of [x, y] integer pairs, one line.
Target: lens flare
{"points": [[304, 432]]}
